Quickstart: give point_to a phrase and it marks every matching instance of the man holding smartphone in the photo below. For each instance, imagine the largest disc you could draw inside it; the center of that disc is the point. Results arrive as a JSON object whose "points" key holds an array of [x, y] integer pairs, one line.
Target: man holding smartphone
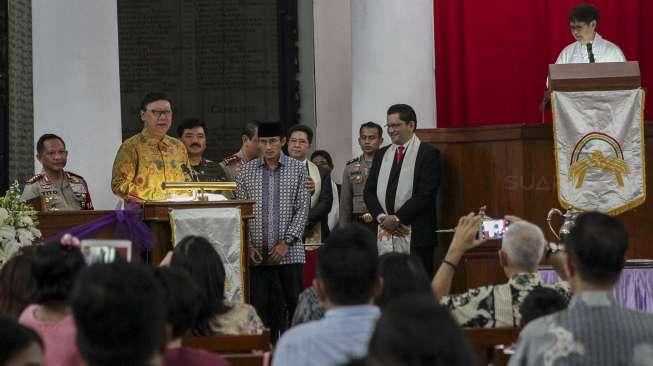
{"points": [[522, 248]]}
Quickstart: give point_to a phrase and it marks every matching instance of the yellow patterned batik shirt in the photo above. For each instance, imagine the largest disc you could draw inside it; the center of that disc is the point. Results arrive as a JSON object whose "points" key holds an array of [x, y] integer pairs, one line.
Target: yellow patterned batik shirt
{"points": [[143, 162]]}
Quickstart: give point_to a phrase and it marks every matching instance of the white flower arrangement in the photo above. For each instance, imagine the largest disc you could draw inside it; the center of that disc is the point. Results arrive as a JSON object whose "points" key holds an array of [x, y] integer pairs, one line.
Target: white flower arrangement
{"points": [[17, 223]]}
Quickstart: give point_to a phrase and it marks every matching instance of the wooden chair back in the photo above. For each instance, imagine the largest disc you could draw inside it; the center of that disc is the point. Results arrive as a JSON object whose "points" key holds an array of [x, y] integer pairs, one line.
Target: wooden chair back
{"points": [[225, 344], [484, 340], [238, 350]]}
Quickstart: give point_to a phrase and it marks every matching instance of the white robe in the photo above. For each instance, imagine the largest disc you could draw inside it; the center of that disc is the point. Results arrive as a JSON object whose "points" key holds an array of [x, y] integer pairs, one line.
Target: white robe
{"points": [[603, 50]]}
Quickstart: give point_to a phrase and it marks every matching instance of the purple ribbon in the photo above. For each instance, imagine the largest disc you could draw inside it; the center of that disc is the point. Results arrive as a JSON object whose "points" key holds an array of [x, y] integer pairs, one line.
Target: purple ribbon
{"points": [[129, 225]]}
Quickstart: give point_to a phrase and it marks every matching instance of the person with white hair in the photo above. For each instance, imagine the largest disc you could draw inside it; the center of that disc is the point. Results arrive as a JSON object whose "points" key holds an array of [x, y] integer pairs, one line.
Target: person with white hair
{"points": [[492, 306]]}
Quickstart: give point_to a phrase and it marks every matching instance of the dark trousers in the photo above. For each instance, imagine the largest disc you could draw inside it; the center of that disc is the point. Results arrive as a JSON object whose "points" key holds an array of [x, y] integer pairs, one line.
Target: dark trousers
{"points": [[427, 255], [274, 293]]}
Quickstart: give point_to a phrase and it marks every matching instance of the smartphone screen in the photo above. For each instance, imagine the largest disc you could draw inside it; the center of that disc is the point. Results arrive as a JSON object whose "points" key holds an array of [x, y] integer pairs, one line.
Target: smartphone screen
{"points": [[105, 250], [494, 229]]}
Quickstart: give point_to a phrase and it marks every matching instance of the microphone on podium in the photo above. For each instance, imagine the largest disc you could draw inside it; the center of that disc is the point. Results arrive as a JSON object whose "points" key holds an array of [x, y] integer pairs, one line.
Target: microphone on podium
{"points": [[589, 53]]}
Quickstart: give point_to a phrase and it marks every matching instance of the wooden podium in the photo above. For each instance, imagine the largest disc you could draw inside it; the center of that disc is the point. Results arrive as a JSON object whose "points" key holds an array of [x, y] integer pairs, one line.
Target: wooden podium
{"points": [[594, 77], [511, 169], [156, 214]]}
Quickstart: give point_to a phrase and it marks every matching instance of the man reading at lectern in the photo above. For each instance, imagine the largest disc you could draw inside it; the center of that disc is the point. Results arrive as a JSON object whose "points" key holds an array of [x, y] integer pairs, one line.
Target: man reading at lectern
{"points": [[151, 157], [589, 47]]}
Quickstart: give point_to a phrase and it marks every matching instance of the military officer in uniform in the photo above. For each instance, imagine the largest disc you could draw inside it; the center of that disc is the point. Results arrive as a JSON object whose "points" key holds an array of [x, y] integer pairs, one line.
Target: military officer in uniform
{"points": [[248, 151], [192, 132], [354, 177], [59, 190]]}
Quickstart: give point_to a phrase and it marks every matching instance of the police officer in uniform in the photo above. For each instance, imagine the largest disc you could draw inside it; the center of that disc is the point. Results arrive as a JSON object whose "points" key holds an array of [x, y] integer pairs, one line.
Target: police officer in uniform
{"points": [[248, 151], [59, 190], [354, 177]]}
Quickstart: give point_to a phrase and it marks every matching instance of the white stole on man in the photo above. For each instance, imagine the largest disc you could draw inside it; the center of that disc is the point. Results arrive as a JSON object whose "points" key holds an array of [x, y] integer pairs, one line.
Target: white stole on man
{"points": [[314, 236], [599, 149], [334, 214], [386, 241], [221, 227]]}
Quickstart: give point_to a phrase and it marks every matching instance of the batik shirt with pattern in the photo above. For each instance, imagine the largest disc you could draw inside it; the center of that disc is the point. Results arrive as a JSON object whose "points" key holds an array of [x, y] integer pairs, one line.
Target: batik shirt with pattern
{"points": [[281, 205], [308, 307], [143, 162], [594, 331], [496, 305]]}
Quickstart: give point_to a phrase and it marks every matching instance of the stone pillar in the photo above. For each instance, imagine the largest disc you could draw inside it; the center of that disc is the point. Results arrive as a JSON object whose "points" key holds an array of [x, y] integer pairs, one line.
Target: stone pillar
{"points": [[332, 34], [392, 61], [77, 87]]}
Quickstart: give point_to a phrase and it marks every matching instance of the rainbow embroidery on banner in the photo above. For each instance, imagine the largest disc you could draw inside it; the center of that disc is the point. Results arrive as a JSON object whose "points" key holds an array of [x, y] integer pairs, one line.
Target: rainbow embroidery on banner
{"points": [[600, 151]]}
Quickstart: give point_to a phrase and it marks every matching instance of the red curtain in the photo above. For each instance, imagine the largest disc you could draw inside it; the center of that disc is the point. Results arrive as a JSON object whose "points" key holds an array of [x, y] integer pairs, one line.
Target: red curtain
{"points": [[492, 56]]}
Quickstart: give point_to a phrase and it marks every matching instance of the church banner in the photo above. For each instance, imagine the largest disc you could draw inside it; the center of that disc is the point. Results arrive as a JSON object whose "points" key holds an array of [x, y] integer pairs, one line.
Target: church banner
{"points": [[599, 149], [221, 227]]}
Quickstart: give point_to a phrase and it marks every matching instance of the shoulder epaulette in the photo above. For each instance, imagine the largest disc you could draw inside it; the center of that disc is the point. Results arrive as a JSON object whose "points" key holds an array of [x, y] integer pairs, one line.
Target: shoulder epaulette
{"points": [[73, 175], [35, 178], [231, 159], [352, 160]]}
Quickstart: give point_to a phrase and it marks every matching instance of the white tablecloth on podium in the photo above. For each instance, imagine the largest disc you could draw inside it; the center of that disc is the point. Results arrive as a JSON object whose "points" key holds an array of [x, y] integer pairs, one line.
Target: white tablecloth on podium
{"points": [[221, 226]]}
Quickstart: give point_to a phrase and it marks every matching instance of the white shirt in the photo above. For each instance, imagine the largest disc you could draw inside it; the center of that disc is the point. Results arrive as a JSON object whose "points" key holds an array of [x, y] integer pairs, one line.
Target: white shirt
{"points": [[334, 214], [603, 50]]}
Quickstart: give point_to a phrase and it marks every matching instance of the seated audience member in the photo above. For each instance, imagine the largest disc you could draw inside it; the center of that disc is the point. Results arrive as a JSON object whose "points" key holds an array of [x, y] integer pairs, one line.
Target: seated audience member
{"points": [[181, 298], [308, 307], [594, 329], [16, 283], [55, 267], [415, 330], [540, 302], [19, 345], [346, 282], [402, 275], [120, 315], [491, 306], [217, 315]]}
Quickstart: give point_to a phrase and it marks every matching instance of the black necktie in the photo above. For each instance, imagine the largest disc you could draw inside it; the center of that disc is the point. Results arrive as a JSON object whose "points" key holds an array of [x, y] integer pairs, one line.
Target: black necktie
{"points": [[589, 53]]}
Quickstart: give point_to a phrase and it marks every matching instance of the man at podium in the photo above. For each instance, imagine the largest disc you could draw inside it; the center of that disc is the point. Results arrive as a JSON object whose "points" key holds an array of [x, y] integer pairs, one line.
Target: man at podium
{"points": [[589, 47], [151, 157]]}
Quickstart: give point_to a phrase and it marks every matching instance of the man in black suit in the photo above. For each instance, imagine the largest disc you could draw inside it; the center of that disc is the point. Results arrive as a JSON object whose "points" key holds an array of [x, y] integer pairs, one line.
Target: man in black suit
{"points": [[401, 190]]}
